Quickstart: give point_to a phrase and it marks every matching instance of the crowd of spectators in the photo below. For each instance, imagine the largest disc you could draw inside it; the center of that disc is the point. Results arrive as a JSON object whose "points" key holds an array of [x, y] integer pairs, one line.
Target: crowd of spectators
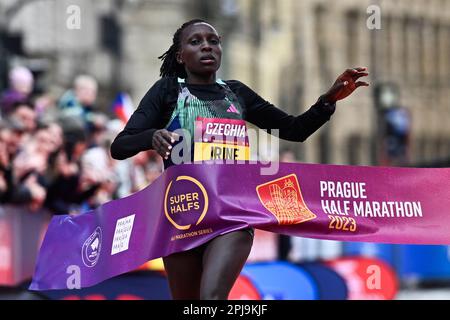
{"points": [[54, 151]]}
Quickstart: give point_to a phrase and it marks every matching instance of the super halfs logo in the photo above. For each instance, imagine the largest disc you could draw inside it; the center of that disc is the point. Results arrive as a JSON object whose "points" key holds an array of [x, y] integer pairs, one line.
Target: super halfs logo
{"points": [[283, 198], [185, 202], [90, 251]]}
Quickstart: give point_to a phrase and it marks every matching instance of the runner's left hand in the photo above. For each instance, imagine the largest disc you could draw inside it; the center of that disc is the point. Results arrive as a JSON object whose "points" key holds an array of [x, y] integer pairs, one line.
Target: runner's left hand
{"points": [[346, 84]]}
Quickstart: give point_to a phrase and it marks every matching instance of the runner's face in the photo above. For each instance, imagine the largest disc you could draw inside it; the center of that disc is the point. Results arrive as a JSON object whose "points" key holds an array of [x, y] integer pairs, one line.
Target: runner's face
{"points": [[201, 51]]}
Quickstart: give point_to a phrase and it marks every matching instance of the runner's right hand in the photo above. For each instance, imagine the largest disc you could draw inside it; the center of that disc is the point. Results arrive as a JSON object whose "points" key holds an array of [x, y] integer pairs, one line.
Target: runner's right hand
{"points": [[162, 142]]}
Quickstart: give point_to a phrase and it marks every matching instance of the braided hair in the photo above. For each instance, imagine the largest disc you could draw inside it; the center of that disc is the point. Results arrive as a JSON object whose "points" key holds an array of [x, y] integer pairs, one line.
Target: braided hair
{"points": [[170, 66]]}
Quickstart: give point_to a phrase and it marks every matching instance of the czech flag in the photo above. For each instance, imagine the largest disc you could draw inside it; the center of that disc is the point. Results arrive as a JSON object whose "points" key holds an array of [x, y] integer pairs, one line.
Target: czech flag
{"points": [[123, 107]]}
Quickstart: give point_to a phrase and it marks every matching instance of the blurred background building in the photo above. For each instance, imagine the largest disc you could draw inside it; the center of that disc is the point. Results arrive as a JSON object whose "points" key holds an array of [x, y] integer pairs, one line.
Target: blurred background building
{"points": [[289, 51]]}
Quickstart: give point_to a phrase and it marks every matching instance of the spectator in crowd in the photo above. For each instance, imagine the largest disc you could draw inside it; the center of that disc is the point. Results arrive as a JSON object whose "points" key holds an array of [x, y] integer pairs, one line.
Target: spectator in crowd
{"points": [[24, 113], [79, 101], [154, 167], [97, 129], [4, 164], [147, 167], [21, 82], [96, 162], [71, 186], [21, 180], [45, 105], [57, 156], [12, 134]]}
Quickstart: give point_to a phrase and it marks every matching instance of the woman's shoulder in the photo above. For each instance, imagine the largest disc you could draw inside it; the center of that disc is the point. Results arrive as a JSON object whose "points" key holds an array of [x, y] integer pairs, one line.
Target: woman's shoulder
{"points": [[162, 92], [234, 83], [165, 83], [163, 86], [240, 88]]}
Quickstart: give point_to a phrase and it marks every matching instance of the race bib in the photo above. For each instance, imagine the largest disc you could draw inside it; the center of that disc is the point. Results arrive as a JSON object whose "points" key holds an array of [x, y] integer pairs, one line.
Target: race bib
{"points": [[221, 139]]}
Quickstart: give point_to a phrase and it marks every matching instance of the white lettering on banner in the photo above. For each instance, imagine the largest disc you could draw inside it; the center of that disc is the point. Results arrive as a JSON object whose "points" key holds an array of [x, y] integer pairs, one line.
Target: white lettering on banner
{"points": [[373, 209], [388, 209], [225, 129], [122, 234], [336, 207], [345, 190]]}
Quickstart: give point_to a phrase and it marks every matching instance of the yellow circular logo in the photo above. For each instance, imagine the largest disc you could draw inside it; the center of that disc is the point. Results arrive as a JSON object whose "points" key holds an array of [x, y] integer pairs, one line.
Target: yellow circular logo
{"points": [[184, 201]]}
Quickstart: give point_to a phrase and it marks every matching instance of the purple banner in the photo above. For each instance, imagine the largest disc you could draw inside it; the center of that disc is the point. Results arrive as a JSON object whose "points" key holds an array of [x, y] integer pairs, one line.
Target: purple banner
{"points": [[191, 204]]}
